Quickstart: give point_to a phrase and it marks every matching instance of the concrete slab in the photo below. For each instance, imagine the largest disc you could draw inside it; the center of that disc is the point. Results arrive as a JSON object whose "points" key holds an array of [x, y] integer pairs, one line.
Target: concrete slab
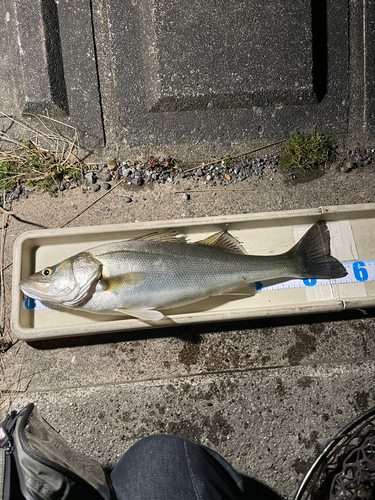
{"points": [[49, 65], [244, 416], [130, 74], [369, 77], [185, 74], [265, 394], [43, 84], [80, 70], [211, 56], [9, 62]]}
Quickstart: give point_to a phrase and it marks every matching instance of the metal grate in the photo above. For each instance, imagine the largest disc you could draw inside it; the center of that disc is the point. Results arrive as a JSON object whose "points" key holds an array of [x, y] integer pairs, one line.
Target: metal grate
{"points": [[345, 469]]}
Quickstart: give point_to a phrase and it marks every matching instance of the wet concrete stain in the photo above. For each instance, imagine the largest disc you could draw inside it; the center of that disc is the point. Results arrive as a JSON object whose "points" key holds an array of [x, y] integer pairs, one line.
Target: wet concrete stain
{"points": [[226, 356], [190, 351], [280, 389], [362, 399], [212, 429], [316, 328], [305, 382], [311, 442], [299, 175], [219, 428], [217, 391], [304, 346], [265, 360], [301, 466], [365, 329]]}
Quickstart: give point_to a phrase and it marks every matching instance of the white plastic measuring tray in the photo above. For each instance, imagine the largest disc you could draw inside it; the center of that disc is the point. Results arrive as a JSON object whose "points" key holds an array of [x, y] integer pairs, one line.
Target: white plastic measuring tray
{"points": [[352, 229]]}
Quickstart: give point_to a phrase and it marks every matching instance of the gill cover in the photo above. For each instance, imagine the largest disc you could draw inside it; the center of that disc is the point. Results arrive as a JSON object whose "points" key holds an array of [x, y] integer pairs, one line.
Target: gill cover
{"points": [[67, 283]]}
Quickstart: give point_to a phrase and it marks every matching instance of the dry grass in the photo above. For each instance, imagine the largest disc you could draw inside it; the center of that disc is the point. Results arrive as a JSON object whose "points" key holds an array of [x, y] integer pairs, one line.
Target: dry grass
{"points": [[45, 159]]}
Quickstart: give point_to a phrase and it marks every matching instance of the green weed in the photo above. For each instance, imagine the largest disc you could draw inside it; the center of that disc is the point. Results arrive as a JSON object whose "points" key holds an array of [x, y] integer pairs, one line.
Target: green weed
{"points": [[305, 151]]}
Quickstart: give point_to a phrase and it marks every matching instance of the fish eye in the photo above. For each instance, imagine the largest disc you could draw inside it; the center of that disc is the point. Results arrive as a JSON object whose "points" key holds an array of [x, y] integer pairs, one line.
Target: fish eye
{"points": [[47, 271]]}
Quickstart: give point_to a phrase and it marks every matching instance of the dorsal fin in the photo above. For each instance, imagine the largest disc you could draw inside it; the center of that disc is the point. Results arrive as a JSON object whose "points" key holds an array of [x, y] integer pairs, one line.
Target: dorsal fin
{"points": [[168, 235], [225, 241]]}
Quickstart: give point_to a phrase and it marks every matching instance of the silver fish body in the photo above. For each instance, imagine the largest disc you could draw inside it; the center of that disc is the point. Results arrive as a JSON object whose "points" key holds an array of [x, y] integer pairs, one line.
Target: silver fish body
{"points": [[140, 277]]}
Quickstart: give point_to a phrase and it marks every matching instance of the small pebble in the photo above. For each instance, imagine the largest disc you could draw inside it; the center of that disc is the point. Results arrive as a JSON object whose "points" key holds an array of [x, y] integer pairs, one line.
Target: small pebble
{"points": [[112, 165], [62, 187], [75, 207], [15, 196], [137, 181], [91, 177], [127, 199], [106, 186], [95, 187], [347, 167], [18, 190], [186, 196]]}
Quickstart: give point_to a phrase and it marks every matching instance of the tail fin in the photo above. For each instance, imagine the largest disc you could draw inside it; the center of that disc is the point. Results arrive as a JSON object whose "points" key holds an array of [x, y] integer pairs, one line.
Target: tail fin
{"points": [[314, 254]]}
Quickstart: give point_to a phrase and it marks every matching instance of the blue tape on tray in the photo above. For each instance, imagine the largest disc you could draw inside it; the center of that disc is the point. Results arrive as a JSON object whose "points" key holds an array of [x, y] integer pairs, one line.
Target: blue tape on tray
{"points": [[358, 272]]}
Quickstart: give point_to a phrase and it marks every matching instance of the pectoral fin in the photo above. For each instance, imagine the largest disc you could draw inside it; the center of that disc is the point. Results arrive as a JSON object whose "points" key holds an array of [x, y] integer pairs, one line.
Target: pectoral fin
{"points": [[144, 314], [119, 281]]}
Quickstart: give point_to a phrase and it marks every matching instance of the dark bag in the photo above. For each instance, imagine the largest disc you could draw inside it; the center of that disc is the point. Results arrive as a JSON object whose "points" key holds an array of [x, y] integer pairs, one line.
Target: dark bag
{"points": [[36, 463]]}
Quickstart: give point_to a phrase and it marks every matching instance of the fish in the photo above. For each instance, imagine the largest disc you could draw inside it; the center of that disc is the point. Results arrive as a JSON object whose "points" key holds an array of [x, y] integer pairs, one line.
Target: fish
{"points": [[146, 275]]}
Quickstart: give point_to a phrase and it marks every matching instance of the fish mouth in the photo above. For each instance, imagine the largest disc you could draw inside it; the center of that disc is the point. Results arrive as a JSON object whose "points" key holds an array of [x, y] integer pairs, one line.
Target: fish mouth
{"points": [[35, 290], [68, 297]]}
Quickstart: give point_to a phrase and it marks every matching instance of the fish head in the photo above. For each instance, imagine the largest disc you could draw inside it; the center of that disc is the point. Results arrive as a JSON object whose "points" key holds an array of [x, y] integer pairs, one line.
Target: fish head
{"points": [[68, 283]]}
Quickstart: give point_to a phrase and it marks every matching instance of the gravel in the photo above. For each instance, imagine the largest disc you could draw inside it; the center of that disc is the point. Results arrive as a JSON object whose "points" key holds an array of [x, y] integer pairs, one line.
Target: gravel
{"points": [[221, 174]]}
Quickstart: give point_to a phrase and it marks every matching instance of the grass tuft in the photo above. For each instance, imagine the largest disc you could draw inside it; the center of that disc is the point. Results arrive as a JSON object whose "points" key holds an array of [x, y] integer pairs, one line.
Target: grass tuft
{"points": [[305, 151], [33, 165]]}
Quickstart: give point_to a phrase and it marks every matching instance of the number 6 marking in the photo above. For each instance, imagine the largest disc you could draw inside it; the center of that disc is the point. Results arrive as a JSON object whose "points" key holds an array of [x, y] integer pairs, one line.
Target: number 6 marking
{"points": [[360, 271]]}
